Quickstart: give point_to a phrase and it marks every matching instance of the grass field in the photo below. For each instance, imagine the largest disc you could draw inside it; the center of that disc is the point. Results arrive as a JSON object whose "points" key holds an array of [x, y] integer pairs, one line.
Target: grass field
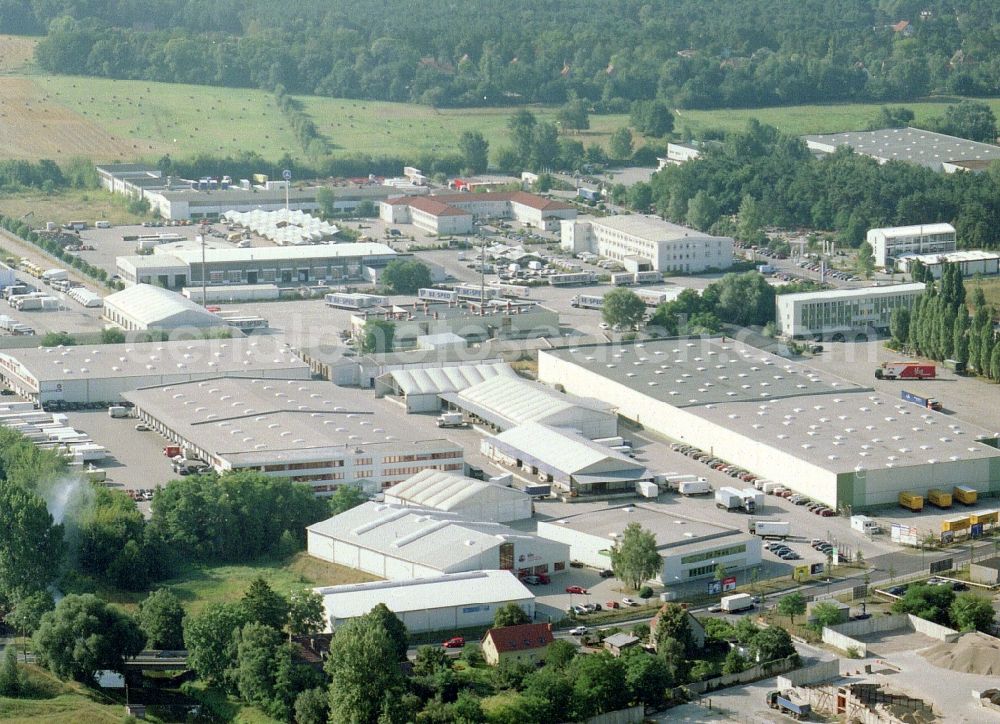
{"points": [[16, 52], [69, 204], [991, 288], [55, 702], [198, 586]]}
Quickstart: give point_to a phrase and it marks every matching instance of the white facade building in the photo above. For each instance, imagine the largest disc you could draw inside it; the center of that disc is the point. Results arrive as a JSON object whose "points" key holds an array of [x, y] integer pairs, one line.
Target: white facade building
{"points": [[439, 603], [970, 262], [401, 543], [822, 436], [691, 549], [890, 243], [453, 493], [841, 314], [144, 306], [647, 243], [456, 213]]}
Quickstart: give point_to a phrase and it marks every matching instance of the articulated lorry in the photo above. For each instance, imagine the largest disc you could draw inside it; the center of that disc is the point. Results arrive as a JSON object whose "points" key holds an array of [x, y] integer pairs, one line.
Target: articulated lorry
{"points": [[736, 603], [929, 402], [771, 528], [781, 702], [733, 499], [905, 371]]}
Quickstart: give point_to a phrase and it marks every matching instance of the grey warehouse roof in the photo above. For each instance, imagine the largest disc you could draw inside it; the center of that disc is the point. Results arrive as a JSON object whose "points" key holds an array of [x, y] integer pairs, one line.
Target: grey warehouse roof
{"points": [[915, 145], [444, 491], [154, 306], [652, 228], [437, 380], [568, 451], [697, 371], [280, 253], [515, 401]]}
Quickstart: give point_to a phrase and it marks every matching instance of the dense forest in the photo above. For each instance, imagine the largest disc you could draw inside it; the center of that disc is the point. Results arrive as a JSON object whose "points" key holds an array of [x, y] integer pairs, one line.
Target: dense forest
{"points": [[689, 53]]}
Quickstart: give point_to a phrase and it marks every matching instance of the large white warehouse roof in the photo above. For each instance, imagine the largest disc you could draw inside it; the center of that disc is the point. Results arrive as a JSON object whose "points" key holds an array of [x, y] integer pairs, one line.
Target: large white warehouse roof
{"points": [[151, 307], [450, 492], [438, 380], [509, 400]]}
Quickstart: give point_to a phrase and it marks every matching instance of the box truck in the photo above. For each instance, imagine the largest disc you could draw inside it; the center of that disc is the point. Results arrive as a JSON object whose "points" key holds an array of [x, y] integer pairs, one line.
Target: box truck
{"points": [[752, 494], [117, 411], [965, 495], [905, 371], [647, 489], [451, 419], [929, 402], [769, 487], [864, 524], [699, 486], [736, 603], [729, 498], [939, 498], [911, 501], [779, 701], [771, 528]]}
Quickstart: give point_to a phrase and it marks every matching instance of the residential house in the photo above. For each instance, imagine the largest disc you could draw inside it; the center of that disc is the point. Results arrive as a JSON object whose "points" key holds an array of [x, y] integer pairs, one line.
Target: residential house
{"points": [[526, 643]]}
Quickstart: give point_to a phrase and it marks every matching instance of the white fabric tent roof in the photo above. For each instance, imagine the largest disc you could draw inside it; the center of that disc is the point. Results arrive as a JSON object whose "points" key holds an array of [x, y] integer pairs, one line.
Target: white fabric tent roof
{"points": [[437, 380], [152, 306], [446, 491]]}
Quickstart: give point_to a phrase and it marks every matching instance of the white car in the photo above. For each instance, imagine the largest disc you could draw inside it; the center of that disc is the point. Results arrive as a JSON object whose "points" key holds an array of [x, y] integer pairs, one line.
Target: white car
{"points": [[629, 601], [578, 631], [605, 325]]}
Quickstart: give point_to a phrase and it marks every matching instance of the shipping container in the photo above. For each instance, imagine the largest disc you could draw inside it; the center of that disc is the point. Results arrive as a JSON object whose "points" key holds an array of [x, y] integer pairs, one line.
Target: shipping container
{"points": [[736, 603], [864, 524], [955, 524], [437, 295], [587, 301], [557, 280], [911, 501], [929, 402], [939, 498], [771, 528], [985, 517], [965, 495], [700, 486]]}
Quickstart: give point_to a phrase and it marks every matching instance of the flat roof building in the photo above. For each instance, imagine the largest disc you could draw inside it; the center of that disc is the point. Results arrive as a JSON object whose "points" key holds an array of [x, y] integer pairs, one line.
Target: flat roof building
{"points": [[312, 432], [566, 459], [421, 388], [936, 151], [889, 244], [453, 493], [970, 262], [456, 213], [837, 442], [840, 314], [176, 267], [101, 373], [647, 243], [692, 549], [398, 542], [144, 306], [435, 603]]}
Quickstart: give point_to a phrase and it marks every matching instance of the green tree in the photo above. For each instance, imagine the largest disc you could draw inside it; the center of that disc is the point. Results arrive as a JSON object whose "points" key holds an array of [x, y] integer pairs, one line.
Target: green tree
{"points": [[429, 660], [551, 687], [932, 603], [751, 218], [344, 498], [406, 277], [112, 335], [264, 605], [305, 613], [742, 299], [312, 706], [623, 307], [28, 611], [210, 641], [825, 614], [735, 662], [719, 629], [598, 685], [574, 115], [972, 612], [254, 669], [702, 211], [559, 654], [327, 201], [11, 678], [792, 605], [545, 147], [395, 628], [634, 558], [58, 339], [475, 151], [161, 618], [31, 548], [899, 325], [510, 615], [365, 678], [770, 644], [865, 263], [620, 146], [891, 117], [640, 196], [647, 677], [673, 655], [673, 622], [651, 118], [377, 335], [82, 635], [974, 120], [521, 126]]}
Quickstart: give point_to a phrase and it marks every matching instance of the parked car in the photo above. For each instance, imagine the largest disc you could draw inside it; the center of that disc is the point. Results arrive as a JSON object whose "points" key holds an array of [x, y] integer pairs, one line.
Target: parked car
{"points": [[612, 604], [530, 580], [578, 630], [456, 642], [827, 513], [580, 610], [629, 602], [607, 573], [576, 589], [717, 608], [142, 427]]}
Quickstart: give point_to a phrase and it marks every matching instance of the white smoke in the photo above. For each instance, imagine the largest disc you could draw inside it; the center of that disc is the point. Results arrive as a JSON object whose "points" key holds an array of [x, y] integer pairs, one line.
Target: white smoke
{"points": [[69, 499]]}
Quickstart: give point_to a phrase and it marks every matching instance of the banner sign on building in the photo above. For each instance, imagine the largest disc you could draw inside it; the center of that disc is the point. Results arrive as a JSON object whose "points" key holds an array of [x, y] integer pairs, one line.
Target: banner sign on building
{"points": [[714, 587], [729, 584]]}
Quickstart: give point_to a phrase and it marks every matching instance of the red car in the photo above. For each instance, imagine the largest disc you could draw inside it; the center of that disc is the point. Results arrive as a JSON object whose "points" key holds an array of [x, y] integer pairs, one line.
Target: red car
{"points": [[455, 642], [576, 589], [612, 604]]}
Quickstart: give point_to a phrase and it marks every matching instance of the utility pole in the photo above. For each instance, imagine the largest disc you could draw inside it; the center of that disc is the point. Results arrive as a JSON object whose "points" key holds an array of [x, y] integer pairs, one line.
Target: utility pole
{"points": [[204, 272]]}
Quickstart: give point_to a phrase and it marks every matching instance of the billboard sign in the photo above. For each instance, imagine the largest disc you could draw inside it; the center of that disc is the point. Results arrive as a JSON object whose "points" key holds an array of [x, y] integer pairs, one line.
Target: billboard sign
{"points": [[976, 530], [904, 534], [945, 564], [800, 573], [729, 583], [947, 536], [714, 587], [816, 569]]}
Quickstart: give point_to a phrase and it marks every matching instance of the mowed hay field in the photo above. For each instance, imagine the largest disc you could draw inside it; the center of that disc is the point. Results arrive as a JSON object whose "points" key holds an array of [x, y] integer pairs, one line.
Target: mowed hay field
{"points": [[16, 52]]}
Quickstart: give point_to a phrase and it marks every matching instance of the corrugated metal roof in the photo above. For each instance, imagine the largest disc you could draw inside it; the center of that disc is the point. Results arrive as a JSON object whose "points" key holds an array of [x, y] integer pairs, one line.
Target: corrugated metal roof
{"points": [[436, 380], [150, 305], [519, 401], [445, 491], [563, 450]]}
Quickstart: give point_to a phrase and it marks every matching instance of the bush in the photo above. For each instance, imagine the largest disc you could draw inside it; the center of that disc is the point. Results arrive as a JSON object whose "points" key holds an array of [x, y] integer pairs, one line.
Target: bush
{"points": [[645, 592]]}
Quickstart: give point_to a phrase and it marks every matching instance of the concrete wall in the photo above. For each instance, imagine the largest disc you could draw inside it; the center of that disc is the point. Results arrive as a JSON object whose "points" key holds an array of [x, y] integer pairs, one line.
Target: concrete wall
{"points": [[934, 630], [760, 671], [619, 716], [842, 635], [815, 674]]}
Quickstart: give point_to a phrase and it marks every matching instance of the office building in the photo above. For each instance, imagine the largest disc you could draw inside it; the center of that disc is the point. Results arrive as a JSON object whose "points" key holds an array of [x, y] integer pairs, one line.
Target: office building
{"points": [[969, 263], [889, 244], [840, 314]]}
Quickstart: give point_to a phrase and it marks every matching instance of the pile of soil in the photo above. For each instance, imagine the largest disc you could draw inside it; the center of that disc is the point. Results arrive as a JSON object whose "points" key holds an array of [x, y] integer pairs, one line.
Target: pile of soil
{"points": [[973, 653]]}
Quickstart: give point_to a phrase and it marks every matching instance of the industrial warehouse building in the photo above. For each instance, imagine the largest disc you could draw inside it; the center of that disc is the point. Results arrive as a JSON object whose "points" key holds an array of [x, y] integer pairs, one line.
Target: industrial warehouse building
{"points": [[438, 603], [311, 432], [453, 493], [570, 462], [936, 151], [399, 543], [175, 268], [647, 243], [421, 388], [841, 314], [691, 549], [889, 244], [144, 306], [507, 401], [101, 373], [969, 263], [456, 213], [500, 319], [837, 442]]}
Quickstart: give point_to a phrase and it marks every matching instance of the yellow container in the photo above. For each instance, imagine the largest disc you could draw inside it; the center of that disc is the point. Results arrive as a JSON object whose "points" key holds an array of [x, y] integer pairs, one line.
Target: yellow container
{"points": [[939, 498], [955, 524], [911, 501], [965, 495], [984, 516]]}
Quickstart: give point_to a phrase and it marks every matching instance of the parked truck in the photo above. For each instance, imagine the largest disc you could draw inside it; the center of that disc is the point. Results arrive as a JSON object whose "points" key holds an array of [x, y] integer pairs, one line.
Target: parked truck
{"points": [[728, 498], [752, 494], [451, 419], [864, 524], [905, 371], [939, 498], [781, 702], [117, 411], [736, 603], [929, 402], [771, 528], [965, 495], [911, 501], [699, 486]]}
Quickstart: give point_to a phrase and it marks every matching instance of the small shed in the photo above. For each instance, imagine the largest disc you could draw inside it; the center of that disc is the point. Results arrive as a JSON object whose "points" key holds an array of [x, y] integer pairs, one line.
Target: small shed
{"points": [[618, 642], [987, 571]]}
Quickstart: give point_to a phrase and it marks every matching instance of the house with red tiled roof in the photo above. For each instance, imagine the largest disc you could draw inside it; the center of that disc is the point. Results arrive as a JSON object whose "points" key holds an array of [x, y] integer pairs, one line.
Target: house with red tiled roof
{"points": [[525, 644], [455, 213]]}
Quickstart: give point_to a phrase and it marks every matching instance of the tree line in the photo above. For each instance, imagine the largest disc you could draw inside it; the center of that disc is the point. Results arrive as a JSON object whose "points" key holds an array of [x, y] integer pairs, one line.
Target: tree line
{"points": [[690, 53]]}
